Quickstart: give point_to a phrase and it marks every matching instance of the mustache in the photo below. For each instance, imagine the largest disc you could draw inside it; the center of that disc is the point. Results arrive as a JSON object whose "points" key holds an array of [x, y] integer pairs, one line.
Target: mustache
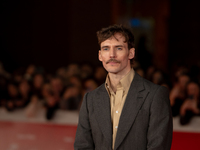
{"points": [[112, 60]]}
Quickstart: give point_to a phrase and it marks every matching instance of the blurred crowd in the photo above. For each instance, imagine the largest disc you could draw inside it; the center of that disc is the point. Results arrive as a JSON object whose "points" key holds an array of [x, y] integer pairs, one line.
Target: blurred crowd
{"points": [[29, 87]]}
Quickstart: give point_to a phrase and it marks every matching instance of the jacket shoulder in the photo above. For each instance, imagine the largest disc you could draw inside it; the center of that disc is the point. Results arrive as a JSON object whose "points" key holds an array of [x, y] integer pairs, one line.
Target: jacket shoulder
{"points": [[152, 86], [98, 91]]}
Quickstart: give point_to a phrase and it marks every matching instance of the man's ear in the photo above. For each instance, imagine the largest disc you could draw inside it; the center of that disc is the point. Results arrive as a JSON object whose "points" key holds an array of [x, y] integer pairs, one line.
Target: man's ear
{"points": [[131, 53], [100, 58]]}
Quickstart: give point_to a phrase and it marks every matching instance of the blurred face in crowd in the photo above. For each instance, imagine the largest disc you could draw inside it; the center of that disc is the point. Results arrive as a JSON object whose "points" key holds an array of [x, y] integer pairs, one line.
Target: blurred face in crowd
{"points": [[180, 71], [75, 81], [38, 81], [193, 89], [24, 87], [90, 85], [18, 78], [31, 69], [100, 73], [183, 80], [46, 90], [140, 72], [61, 72], [71, 92], [150, 71], [86, 71], [12, 90], [115, 55], [157, 77], [56, 84], [72, 69]]}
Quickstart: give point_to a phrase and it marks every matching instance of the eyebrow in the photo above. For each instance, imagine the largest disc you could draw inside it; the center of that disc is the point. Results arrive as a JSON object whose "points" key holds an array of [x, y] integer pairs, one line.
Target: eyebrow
{"points": [[104, 47], [115, 46], [119, 46]]}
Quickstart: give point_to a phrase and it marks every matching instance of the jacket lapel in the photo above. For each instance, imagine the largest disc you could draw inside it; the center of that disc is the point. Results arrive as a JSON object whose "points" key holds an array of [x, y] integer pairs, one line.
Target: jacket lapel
{"points": [[103, 114], [132, 105]]}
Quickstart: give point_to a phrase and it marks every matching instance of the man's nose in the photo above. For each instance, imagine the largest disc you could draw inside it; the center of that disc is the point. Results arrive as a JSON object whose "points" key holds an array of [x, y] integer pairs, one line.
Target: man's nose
{"points": [[112, 53]]}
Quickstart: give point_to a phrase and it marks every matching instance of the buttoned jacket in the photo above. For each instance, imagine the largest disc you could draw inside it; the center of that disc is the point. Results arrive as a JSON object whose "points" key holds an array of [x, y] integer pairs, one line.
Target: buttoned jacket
{"points": [[145, 122]]}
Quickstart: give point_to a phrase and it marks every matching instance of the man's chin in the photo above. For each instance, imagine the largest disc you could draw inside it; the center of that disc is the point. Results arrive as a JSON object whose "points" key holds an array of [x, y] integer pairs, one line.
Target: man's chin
{"points": [[112, 71]]}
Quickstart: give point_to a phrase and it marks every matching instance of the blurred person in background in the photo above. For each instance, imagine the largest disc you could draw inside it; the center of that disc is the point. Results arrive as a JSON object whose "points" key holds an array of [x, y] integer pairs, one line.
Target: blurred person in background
{"points": [[178, 93], [75, 81], [3, 90], [12, 96], [140, 71], [89, 85], [72, 69], [46, 90], [57, 86], [32, 108], [53, 98], [71, 98], [24, 93], [30, 71], [100, 75], [51, 106], [149, 72], [181, 70], [135, 64], [3, 72], [190, 106], [157, 77], [4, 78], [18, 75], [86, 71], [142, 106], [61, 72], [37, 83]]}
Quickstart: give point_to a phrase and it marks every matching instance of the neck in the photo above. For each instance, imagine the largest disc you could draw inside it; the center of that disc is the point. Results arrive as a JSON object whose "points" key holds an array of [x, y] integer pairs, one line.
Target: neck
{"points": [[115, 79]]}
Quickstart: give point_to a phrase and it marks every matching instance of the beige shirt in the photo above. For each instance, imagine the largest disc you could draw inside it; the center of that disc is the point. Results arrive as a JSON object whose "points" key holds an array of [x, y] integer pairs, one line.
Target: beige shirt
{"points": [[117, 99]]}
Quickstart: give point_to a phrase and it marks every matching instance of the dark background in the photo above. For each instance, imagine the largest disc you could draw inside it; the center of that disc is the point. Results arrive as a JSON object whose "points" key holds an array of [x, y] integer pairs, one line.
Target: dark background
{"points": [[55, 33], [184, 29]]}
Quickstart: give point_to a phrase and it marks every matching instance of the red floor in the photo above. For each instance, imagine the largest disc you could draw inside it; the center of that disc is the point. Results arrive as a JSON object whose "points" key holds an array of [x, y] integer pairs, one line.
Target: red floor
{"points": [[36, 136], [186, 141]]}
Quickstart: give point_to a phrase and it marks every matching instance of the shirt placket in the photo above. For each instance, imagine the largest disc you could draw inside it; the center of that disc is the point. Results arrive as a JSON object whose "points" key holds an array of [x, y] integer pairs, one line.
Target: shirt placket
{"points": [[116, 110]]}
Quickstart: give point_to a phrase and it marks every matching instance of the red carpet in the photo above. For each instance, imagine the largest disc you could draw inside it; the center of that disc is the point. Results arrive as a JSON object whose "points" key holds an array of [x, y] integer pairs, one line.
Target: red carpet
{"points": [[186, 141], [37, 136]]}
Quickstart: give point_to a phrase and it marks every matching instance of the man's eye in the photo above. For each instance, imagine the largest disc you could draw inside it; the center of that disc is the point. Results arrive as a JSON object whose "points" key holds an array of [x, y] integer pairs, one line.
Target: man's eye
{"points": [[105, 49], [119, 48]]}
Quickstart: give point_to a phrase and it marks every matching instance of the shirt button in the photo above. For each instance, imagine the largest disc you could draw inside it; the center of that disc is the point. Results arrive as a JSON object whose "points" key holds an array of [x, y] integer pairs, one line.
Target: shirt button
{"points": [[116, 111], [116, 127]]}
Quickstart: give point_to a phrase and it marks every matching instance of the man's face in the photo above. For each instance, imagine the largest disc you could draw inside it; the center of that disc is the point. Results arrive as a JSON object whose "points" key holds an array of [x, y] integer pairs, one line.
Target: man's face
{"points": [[115, 56]]}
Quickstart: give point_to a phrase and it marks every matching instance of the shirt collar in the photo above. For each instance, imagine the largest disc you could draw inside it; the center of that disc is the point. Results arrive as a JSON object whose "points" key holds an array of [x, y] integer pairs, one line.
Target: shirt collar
{"points": [[108, 86], [124, 83]]}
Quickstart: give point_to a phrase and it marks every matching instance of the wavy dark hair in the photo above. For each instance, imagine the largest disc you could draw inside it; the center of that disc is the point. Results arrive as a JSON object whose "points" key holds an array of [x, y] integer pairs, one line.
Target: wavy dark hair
{"points": [[106, 33]]}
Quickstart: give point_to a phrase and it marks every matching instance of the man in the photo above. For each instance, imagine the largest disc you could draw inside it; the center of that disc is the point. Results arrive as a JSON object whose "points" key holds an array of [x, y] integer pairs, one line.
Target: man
{"points": [[127, 112]]}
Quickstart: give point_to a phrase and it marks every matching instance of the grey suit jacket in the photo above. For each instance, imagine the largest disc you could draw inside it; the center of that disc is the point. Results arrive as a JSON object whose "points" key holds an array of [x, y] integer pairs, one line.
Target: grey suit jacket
{"points": [[145, 122]]}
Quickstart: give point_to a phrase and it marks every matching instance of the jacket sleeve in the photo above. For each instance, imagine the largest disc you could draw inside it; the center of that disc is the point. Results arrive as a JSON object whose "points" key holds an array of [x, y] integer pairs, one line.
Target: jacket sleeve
{"points": [[83, 139], [159, 135]]}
